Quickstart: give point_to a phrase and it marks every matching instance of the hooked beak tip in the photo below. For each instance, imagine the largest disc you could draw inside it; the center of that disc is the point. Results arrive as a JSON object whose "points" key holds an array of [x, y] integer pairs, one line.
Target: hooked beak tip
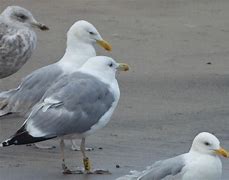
{"points": [[43, 27], [222, 152]]}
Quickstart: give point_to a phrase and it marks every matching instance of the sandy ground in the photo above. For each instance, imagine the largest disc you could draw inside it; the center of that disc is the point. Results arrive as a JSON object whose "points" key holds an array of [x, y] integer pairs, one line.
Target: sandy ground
{"points": [[178, 85]]}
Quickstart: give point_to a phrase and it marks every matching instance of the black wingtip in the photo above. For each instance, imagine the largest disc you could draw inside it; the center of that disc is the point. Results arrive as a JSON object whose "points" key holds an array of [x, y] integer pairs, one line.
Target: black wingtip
{"points": [[22, 138], [25, 138], [5, 143]]}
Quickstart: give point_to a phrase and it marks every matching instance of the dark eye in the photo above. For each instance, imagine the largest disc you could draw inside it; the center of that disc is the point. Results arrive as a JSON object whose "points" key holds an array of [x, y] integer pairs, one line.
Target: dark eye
{"points": [[207, 143], [92, 33], [22, 16], [111, 64]]}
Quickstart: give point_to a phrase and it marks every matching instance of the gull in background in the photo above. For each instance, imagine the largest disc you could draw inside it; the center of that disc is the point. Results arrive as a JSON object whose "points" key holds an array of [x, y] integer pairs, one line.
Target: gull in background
{"points": [[17, 38]]}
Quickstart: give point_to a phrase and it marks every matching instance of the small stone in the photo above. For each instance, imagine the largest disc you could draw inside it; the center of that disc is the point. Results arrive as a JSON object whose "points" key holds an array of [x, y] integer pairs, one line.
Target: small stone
{"points": [[209, 63], [117, 166], [100, 148]]}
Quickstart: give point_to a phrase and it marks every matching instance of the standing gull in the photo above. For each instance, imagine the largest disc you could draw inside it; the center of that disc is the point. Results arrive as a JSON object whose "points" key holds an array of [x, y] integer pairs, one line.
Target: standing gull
{"points": [[76, 106], [17, 38], [81, 38], [202, 162]]}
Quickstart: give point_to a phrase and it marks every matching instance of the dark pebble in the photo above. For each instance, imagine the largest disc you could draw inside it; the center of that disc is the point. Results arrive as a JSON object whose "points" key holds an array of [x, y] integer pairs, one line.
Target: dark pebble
{"points": [[117, 166]]}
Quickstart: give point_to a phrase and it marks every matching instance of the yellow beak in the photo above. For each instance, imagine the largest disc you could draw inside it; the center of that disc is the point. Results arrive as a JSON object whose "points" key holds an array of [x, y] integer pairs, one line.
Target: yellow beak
{"points": [[104, 44], [123, 67], [222, 152]]}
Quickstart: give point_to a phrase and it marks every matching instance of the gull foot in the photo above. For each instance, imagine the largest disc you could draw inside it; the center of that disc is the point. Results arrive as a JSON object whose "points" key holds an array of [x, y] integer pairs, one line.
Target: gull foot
{"points": [[66, 170], [77, 148], [40, 146]]}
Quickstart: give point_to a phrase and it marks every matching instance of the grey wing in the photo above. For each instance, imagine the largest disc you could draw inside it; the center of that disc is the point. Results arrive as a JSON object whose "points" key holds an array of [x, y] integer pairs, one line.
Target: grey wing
{"points": [[158, 170], [30, 90], [73, 105], [16, 47]]}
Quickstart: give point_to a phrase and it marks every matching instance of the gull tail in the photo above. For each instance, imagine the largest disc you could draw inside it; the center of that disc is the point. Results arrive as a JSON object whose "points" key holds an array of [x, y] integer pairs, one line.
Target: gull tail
{"points": [[3, 105], [4, 102]]}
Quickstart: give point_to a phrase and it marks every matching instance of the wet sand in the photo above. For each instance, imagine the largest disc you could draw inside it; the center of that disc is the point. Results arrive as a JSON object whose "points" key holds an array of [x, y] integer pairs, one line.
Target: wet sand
{"points": [[178, 85]]}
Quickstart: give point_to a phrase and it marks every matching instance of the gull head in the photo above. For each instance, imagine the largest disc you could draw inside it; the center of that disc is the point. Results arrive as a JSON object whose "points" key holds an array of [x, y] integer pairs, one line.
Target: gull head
{"points": [[22, 16], [207, 143], [85, 33], [104, 67]]}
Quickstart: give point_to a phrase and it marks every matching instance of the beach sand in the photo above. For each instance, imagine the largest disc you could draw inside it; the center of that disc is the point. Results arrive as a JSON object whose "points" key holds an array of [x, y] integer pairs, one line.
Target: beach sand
{"points": [[178, 84]]}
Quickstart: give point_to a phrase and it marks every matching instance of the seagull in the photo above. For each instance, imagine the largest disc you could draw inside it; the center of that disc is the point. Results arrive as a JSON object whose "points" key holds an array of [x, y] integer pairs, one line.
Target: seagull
{"points": [[75, 106], [81, 38], [17, 38], [202, 162]]}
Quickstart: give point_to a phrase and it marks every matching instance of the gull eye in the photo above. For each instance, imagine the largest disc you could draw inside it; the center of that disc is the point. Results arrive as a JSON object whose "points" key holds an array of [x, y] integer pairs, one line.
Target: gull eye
{"points": [[92, 33], [22, 16], [111, 64], [207, 143]]}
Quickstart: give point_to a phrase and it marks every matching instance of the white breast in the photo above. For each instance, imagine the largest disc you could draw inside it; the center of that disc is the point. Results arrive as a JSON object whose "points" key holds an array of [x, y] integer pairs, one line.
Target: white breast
{"points": [[204, 167]]}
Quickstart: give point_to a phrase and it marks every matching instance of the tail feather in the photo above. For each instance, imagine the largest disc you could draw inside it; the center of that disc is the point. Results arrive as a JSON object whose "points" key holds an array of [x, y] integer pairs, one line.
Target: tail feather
{"points": [[4, 113], [3, 103], [7, 94], [3, 108], [4, 99]]}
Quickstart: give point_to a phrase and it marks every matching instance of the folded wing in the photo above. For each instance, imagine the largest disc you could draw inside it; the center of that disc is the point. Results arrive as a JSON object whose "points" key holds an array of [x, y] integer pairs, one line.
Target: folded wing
{"points": [[71, 106]]}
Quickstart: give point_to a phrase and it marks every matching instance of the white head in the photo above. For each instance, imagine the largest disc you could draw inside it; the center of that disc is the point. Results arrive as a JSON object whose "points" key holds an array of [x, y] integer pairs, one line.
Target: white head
{"points": [[207, 143], [103, 67], [21, 16], [85, 33]]}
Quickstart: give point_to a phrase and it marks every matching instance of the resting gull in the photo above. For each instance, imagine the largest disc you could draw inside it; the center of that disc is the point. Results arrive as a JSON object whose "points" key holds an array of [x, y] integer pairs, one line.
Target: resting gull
{"points": [[76, 106], [81, 38], [17, 38], [202, 162]]}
